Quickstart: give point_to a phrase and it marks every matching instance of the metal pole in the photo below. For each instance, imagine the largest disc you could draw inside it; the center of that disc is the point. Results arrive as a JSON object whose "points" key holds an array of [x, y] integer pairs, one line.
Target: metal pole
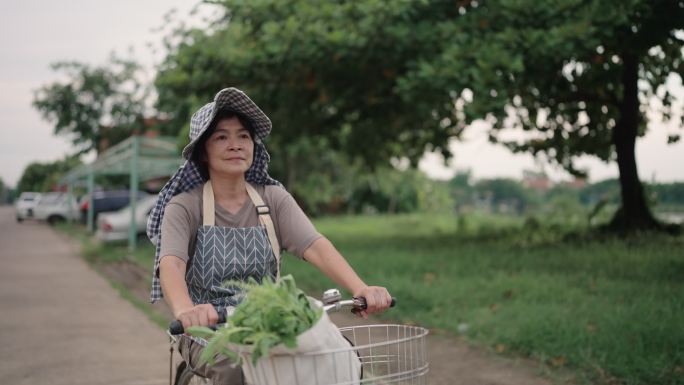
{"points": [[70, 198], [133, 228], [91, 204]]}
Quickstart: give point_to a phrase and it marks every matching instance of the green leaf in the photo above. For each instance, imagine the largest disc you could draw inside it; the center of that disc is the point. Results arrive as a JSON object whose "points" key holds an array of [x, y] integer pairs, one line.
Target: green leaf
{"points": [[200, 331], [270, 314]]}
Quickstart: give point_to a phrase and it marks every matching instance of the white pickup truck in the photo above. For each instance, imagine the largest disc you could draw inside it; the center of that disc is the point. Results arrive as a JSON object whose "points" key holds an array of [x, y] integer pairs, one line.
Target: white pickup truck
{"points": [[56, 207], [25, 205]]}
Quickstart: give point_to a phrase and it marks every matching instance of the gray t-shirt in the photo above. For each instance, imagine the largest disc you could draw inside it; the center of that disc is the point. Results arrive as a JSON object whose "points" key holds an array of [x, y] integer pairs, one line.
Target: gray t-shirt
{"points": [[183, 216]]}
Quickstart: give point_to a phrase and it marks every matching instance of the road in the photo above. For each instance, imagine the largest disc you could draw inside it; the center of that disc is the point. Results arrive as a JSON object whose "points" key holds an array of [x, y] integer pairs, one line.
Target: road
{"points": [[62, 323]]}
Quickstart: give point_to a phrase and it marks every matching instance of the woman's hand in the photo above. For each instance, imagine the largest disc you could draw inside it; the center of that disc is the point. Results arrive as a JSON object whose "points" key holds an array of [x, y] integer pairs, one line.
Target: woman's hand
{"points": [[198, 315], [377, 298], [327, 259]]}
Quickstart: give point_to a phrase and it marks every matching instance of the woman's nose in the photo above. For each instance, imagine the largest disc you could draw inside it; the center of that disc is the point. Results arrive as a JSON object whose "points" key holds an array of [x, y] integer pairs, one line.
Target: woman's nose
{"points": [[234, 144]]}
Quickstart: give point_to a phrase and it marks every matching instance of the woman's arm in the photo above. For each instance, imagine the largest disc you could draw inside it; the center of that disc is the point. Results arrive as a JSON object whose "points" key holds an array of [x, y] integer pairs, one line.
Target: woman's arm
{"points": [[172, 279], [328, 260]]}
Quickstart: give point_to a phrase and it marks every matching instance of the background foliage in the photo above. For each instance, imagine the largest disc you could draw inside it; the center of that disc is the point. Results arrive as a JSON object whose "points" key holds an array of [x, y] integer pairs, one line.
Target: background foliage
{"points": [[95, 106], [43, 177], [371, 83], [382, 80]]}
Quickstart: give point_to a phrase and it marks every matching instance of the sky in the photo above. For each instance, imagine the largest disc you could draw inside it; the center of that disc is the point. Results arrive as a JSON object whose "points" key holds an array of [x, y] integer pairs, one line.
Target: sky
{"points": [[35, 33]]}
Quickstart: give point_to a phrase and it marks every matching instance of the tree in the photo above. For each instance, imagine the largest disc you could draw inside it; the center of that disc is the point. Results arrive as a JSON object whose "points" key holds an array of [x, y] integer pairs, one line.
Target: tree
{"points": [[504, 193], [96, 106], [606, 190], [5, 193], [462, 191], [42, 177], [669, 194], [393, 79], [318, 69], [322, 186], [576, 75]]}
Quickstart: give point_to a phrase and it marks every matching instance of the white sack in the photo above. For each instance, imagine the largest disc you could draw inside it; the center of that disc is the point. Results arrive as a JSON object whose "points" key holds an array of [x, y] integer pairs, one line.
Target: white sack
{"points": [[286, 366]]}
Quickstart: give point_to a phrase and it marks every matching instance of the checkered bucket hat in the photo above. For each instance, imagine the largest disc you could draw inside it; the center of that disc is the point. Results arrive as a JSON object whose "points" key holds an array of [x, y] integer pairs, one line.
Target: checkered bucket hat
{"points": [[188, 176]]}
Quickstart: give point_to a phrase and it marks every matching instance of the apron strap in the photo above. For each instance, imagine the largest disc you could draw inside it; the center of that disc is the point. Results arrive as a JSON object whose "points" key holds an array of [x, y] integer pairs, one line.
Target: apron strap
{"points": [[263, 213], [208, 214]]}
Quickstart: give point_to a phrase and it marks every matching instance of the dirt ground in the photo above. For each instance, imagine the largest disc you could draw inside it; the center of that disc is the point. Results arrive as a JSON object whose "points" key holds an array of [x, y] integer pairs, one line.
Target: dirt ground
{"points": [[452, 361]]}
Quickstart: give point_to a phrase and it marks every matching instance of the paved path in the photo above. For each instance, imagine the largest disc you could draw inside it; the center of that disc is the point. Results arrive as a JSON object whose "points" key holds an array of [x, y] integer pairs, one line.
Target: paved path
{"points": [[61, 323]]}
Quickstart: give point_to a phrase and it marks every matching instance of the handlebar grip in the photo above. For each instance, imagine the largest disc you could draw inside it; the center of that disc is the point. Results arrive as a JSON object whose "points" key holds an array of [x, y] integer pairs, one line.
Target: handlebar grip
{"points": [[176, 327], [363, 304]]}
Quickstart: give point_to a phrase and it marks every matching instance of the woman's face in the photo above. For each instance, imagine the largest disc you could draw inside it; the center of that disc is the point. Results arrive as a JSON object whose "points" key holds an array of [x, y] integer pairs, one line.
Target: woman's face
{"points": [[229, 149]]}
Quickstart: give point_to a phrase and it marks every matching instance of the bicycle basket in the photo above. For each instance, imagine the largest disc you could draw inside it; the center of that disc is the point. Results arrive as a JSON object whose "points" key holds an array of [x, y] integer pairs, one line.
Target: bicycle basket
{"points": [[388, 354]]}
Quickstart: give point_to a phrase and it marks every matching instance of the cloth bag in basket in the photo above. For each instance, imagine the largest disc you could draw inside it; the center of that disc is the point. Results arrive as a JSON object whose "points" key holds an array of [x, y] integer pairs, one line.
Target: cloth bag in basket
{"points": [[322, 356]]}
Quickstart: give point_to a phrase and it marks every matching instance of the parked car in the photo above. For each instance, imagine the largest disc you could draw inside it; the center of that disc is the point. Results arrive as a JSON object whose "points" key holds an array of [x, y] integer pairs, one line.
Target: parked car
{"points": [[56, 207], [25, 204], [115, 226], [107, 201]]}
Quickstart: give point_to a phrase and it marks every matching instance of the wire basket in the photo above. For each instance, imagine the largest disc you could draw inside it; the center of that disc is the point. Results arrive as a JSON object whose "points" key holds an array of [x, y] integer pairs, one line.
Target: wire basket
{"points": [[377, 354]]}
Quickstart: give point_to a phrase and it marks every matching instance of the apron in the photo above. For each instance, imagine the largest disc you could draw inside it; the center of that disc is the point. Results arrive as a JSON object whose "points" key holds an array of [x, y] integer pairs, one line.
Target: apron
{"points": [[226, 253]]}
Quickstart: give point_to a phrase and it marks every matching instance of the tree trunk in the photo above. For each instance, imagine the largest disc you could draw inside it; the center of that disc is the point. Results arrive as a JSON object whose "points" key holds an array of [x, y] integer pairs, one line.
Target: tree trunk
{"points": [[634, 213]]}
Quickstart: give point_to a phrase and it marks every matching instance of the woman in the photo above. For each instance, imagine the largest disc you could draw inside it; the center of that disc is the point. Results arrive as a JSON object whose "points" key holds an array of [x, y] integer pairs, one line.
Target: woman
{"points": [[222, 217]]}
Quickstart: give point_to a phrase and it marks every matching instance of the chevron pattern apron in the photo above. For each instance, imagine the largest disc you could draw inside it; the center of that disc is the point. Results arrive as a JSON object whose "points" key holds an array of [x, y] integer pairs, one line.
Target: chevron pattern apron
{"points": [[225, 253]]}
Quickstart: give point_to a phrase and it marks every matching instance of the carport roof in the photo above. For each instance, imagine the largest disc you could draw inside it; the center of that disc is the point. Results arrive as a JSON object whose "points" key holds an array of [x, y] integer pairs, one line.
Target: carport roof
{"points": [[152, 157]]}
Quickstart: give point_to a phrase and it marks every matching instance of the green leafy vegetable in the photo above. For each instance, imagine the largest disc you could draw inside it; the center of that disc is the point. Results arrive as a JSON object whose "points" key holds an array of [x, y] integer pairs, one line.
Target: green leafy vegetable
{"points": [[270, 314]]}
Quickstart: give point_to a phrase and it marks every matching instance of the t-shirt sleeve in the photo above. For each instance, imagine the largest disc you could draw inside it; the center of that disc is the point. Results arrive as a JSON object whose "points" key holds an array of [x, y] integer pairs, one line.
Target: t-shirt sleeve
{"points": [[295, 231], [175, 232]]}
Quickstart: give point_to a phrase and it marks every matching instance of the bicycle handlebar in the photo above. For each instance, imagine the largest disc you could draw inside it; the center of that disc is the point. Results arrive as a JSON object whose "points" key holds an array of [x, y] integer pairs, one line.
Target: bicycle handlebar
{"points": [[176, 327]]}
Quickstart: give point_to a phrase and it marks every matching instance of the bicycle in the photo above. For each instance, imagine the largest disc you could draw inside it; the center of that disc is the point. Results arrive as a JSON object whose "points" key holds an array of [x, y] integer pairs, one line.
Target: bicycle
{"points": [[389, 354]]}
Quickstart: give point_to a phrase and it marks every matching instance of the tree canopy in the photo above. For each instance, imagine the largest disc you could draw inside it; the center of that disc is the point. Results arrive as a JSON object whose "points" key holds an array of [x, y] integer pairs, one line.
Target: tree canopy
{"points": [[95, 106], [318, 69], [383, 80], [43, 177], [577, 76], [393, 79]]}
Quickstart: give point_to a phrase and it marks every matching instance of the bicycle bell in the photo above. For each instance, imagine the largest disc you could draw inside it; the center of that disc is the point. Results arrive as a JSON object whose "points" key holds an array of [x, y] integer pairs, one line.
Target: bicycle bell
{"points": [[331, 296]]}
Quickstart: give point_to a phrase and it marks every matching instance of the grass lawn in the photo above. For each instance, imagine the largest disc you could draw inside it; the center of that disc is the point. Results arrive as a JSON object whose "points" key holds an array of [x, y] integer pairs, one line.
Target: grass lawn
{"points": [[610, 310]]}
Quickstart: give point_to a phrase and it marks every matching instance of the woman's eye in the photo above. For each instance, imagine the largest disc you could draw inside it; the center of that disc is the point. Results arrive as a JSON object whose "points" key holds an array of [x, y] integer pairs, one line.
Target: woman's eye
{"points": [[221, 137]]}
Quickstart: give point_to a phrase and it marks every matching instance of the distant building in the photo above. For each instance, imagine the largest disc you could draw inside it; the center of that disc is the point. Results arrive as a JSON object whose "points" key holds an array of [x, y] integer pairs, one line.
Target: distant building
{"points": [[536, 180], [577, 183]]}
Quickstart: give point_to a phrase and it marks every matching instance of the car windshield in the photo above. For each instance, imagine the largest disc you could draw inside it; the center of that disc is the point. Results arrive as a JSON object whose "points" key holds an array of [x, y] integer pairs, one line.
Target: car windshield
{"points": [[49, 199], [53, 199], [28, 197]]}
